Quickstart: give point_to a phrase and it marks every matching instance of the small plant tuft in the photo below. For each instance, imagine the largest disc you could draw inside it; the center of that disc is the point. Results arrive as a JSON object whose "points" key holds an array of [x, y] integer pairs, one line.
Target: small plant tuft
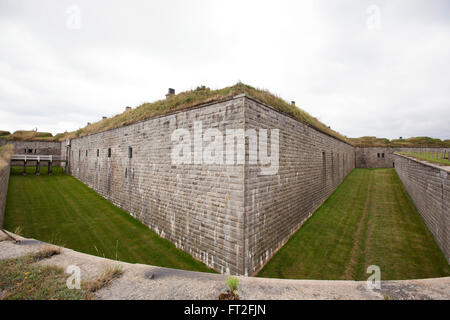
{"points": [[109, 274], [232, 292], [233, 284], [45, 253], [18, 231]]}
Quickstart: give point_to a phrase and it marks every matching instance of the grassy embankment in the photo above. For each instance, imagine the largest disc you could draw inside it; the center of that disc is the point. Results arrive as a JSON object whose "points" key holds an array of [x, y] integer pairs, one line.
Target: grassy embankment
{"points": [[433, 157], [369, 220], [61, 210]]}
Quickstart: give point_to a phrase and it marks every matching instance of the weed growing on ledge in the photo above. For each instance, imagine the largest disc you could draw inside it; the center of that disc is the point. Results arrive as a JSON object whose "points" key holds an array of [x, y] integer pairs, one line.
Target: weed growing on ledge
{"points": [[232, 292], [109, 274], [45, 253]]}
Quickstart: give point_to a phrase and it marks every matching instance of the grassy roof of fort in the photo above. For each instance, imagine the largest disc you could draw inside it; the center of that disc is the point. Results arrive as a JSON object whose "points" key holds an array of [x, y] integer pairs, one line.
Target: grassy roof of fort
{"points": [[27, 135], [201, 95], [409, 142]]}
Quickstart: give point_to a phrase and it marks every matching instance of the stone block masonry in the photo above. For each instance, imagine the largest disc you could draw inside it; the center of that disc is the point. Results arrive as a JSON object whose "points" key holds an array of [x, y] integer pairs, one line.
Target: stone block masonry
{"points": [[429, 187], [383, 157], [198, 207], [228, 216], [311, 166], [35, 147], [4, 180]]}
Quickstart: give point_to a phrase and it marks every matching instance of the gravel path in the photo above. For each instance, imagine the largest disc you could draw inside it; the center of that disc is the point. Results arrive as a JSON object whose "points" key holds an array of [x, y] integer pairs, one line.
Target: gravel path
{"points": [[149, 282]]}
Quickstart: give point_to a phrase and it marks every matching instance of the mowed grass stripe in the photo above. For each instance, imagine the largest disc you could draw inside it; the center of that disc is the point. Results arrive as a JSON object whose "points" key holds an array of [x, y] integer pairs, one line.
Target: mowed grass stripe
{"points": [[62, 210], [391, 234], [359, 240], [310, 253]]}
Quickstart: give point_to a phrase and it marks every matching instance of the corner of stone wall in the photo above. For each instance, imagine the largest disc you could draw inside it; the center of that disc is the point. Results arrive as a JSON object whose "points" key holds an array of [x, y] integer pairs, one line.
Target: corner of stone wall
{"points": [[293, 194]]}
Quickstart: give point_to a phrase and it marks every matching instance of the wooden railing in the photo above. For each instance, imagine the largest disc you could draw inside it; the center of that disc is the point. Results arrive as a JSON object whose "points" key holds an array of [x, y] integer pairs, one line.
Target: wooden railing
{"points": [[36, 157]]}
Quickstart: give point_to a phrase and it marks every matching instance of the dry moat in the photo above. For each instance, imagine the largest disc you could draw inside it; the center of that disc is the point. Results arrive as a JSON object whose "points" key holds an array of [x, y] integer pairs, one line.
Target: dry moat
{"points": [[368, 220]]}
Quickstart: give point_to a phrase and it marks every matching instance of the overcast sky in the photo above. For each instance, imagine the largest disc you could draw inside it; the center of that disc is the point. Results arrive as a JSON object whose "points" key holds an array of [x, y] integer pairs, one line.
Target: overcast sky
{"points": [[377, 68]]}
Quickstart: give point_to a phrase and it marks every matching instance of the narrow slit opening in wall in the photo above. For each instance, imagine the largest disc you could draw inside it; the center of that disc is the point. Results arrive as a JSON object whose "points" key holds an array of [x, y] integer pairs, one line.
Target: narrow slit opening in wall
{"points": [[324, 164], [332, 164], [130, 152], [382, 155], [337, 162], [109, 152], [98, 152], [378, 155], [86, 153], [126, 172]]}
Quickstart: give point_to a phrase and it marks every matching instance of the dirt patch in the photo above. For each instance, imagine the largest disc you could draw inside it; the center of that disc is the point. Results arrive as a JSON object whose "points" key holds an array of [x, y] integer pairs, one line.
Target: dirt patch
{"points": [[229, 296]]}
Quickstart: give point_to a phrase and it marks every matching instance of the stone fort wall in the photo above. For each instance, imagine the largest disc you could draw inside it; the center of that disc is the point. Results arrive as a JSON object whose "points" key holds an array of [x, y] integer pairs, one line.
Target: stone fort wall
{"points": [[198, 207], [312, 164], [429, 187], [383, 157], [33, 147], [4, 180], [232, 217], [228, 216]]}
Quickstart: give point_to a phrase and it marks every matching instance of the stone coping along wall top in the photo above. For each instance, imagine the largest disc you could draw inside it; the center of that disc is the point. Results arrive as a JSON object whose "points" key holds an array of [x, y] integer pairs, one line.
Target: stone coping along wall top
{"points": [[430, 164]]}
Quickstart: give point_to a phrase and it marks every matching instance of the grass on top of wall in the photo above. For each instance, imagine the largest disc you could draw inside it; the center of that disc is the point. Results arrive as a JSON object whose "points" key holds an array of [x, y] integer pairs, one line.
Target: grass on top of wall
{"points": [[433, 157], [191, 98], [61, 210], [369, 220], [28, 135], [413, 142]]}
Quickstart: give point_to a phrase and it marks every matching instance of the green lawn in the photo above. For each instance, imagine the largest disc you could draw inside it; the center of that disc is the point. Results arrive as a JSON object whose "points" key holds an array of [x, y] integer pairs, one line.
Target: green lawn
{"points": [[433, 157], [369, 220], [62, 210]]}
